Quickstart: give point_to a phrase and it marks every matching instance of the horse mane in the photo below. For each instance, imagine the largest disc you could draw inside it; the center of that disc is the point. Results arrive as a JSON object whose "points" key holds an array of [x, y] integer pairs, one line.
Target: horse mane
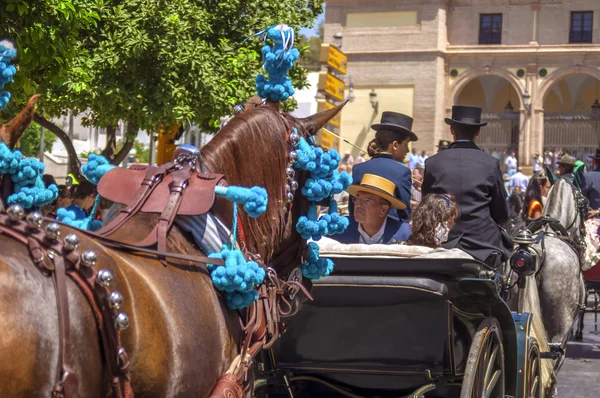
{"points": [[561, 205], [259, 130]]}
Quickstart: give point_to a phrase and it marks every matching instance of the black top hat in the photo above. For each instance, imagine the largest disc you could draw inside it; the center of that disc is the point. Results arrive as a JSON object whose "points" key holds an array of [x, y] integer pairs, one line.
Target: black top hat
{"points": [[443, 144], [396, 122], [466, 115], [597, 155]]}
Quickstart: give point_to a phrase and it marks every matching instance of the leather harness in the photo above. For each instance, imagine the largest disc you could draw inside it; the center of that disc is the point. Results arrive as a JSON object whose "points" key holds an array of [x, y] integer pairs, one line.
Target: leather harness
{"points": [[54, 259], [162, 188]]}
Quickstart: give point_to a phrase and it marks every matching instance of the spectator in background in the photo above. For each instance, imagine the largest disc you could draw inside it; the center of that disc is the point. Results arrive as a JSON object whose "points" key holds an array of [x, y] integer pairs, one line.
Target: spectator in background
{"points": [[515, 202], [415, 191], [413, 158], [538, 162], [347, 159], [511, 164], [421, 160], [360, 158], [532, 204], [519, 179], [566, 165]]}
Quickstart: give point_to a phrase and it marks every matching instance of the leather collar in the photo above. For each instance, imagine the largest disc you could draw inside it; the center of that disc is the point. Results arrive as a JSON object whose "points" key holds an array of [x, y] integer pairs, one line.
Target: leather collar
{"points": [[464, 144]]}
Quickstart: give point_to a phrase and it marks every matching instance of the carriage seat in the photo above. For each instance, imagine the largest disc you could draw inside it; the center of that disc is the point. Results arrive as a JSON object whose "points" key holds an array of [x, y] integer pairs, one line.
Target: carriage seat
{"points": [[383, 318]]}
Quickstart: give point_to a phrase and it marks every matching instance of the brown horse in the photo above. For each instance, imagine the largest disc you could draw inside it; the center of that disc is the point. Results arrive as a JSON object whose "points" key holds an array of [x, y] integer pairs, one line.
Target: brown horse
{"points": [[182, 337]]}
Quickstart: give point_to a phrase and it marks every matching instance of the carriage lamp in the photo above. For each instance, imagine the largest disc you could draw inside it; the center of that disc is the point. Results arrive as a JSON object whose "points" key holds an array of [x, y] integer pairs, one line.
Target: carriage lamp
{"points": [[373, 100], [337, 40], [527, 101], [524, 260], [596, 107]]}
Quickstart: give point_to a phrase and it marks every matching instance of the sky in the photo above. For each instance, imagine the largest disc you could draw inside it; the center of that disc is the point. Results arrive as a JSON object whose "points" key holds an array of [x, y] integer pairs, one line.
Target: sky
{"points": [[308, 32]]}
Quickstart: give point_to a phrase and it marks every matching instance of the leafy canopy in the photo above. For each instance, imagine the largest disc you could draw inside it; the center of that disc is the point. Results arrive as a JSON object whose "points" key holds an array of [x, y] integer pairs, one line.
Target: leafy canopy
{"points": [[150, 62]]}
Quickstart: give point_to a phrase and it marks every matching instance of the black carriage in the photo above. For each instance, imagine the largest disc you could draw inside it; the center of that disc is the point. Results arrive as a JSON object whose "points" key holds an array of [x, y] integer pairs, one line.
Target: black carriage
{"points": [[384, 326]]}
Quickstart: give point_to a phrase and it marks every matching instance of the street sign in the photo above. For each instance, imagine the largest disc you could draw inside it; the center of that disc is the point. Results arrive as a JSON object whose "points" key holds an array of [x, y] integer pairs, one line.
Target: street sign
{"points": [[328, 140], [332, 86], [334, 58], [323, 105]]}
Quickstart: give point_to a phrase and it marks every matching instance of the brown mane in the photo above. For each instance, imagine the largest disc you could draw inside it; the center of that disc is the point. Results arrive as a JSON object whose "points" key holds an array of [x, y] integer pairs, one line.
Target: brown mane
{"points": [[241, 142]]}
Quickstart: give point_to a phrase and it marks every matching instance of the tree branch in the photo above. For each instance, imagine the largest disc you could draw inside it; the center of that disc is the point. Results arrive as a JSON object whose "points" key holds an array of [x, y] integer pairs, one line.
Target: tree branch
{"points": [[111, 142], [130, 136], [74, 164]]}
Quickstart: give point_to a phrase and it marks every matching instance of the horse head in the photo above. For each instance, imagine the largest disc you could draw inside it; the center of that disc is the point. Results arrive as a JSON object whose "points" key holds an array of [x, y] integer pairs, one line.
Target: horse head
{"points": [[567, 204], [254, 149]]}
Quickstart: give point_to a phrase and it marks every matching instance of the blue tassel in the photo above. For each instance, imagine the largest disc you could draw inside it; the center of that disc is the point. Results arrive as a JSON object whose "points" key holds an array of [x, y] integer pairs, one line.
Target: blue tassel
{"points": [[277, 62], [237, 278], [76, 217], [311, 228], [7, 71], [95, 168], [316, 267], [254, 199]]}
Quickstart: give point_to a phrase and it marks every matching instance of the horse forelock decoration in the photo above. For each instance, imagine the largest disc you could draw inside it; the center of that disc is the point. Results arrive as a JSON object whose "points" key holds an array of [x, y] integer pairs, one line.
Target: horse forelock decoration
{"points": [[181, 337]]}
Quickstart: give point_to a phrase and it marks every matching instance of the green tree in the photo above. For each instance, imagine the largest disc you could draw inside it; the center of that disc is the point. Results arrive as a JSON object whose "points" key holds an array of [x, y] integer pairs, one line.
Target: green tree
{"points": [[29, 144], [151, 63]]}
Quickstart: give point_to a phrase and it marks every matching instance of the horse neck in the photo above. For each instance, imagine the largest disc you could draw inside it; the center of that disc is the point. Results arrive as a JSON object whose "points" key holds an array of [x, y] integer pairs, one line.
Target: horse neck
{"points": [[255, 153], [562, 207]]}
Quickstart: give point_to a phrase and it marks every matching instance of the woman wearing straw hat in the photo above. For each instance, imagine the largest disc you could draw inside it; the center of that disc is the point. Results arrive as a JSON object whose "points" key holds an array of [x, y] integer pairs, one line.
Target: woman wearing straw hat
{"points": [[373, 199], [387, 150]]}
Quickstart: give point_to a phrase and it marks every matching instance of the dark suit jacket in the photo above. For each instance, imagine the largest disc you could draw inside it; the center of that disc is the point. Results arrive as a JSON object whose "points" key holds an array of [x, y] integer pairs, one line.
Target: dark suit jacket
{"points": [[396, 231], [385, 166], [591, 188], [475, 179]]}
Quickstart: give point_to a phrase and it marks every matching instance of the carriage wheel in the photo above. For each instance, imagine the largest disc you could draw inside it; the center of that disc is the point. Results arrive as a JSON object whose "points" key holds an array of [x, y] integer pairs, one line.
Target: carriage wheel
{"points": [[534, 371], [484, 374]]}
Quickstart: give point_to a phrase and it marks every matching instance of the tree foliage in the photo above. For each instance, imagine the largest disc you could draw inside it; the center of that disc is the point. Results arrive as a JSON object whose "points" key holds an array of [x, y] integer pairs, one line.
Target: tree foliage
{"points": [[151, 62], [29, 144]]}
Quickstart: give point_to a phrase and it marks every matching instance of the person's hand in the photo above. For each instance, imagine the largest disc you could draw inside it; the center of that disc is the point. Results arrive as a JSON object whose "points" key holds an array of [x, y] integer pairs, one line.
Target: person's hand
{"points": [[593, 213]]}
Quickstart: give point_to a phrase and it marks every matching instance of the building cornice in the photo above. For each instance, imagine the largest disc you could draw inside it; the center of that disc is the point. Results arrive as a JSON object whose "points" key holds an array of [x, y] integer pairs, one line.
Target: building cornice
{"points": [[509, 50]]}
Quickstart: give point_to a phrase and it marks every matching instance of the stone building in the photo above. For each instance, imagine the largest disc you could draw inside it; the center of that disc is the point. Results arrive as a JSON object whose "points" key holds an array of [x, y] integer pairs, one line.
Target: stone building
{"points": [[532, 65]]}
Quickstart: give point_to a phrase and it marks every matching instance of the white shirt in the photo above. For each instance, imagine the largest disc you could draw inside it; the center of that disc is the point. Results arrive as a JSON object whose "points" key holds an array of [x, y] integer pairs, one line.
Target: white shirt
{"points": [[511, 162], [371, 240], [519, 180]]}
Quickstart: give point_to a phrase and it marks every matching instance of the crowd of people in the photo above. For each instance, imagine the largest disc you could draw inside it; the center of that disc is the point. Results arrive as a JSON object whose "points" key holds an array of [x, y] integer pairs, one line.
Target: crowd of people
{"points": [[459, 197]]}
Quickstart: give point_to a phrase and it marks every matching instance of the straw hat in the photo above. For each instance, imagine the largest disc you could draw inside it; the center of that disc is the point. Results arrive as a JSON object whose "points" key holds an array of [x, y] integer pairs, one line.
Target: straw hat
{"points": [[379, 186]]}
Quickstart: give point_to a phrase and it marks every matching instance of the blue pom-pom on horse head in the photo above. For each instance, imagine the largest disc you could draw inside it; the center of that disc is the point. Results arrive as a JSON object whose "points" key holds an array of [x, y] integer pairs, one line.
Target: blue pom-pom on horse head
{"points": [[278, 60], [7, 71]]}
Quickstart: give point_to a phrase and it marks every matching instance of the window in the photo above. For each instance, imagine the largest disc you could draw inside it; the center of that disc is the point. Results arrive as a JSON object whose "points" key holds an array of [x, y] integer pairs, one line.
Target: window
{"points": [[490, 29], [581, 27]]}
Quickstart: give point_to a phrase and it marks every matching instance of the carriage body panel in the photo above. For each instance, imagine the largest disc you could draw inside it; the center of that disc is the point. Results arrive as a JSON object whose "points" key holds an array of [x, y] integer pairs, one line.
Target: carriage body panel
{"points": [[386, 325]]}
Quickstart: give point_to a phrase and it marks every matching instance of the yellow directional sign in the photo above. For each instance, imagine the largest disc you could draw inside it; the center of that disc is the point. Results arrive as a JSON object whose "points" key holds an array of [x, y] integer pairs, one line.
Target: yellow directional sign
{"points": [[332, 86], [323, 105], [334, 58], [328, 140]]}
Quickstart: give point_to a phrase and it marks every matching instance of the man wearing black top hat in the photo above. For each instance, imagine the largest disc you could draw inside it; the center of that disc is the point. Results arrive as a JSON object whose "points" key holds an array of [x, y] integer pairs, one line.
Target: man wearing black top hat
{"points": [[387, 150], [475, 179], [591, 185]]}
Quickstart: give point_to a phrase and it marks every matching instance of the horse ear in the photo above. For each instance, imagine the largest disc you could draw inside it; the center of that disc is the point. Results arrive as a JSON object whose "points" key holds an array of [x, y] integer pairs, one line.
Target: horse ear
{"points": [[12, 131], [314, 123], [550, 175]]}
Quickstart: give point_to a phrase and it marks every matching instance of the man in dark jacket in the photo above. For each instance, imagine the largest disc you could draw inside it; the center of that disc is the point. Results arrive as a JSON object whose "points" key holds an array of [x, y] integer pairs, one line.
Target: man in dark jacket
{"points": [[475, 179], [591, 185]]}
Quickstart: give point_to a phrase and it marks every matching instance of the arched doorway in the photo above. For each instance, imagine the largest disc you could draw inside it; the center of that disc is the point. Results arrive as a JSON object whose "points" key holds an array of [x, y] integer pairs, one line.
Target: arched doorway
{"points": [[572, 115], [500, 104]]}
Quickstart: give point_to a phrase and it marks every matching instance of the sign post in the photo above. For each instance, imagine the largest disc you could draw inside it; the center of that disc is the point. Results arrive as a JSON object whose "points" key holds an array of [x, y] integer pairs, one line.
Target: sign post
{"points": [[333, 89]]}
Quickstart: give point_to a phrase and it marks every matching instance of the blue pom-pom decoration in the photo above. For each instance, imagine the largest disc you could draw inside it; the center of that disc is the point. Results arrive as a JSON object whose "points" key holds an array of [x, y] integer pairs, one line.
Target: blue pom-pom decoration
{"points": [[315, 267], [7, 71], [95, 168], [237, 278], [277, 62], [77, 218], [26, 174], [255, 199]]}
